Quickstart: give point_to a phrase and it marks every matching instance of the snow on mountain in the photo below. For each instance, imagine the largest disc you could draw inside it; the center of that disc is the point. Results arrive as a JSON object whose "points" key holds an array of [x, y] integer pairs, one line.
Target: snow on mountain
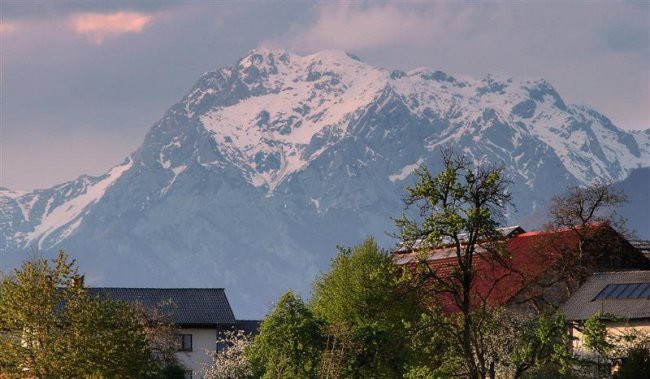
{"points": [[48, 216], [253, 178], [305, 96], [301, 97]]}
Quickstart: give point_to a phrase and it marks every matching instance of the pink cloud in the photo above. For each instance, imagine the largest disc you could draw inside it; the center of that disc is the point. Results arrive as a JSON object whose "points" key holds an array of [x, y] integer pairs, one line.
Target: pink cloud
{"points": [[353, 27], [7, 28], [99, 26]]}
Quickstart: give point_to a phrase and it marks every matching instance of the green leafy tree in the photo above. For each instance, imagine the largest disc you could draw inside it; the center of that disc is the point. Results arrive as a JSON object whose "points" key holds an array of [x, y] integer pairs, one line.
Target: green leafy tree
{"points": [[534, 342], [635, 365], [461, 207], [290, 342], [596, 337], [100, 334], [625, 345], [162, 337], [436, 354], [51, 327], [368, 308]]}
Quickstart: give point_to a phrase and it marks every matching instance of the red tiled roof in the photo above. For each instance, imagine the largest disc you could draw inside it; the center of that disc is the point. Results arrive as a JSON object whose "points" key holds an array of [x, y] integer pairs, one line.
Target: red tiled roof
{"points": [[498, 281]]}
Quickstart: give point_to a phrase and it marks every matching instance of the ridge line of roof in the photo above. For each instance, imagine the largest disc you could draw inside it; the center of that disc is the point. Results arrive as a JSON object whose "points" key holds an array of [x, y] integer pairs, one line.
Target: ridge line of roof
{"points": [[232, 313]]}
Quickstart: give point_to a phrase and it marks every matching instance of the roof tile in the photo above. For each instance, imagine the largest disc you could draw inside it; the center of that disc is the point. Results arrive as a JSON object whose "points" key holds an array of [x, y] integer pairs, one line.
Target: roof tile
{"points": [[192, 306]]}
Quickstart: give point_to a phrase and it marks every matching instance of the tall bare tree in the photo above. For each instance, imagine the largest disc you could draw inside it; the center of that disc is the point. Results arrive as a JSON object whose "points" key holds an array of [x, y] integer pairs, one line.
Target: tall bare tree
{"points": [[583, 234], [587, 233]]}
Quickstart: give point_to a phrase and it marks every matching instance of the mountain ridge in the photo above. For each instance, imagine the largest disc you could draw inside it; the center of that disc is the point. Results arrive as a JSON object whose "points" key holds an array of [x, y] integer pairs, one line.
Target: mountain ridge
{"points": [[266, 165]]}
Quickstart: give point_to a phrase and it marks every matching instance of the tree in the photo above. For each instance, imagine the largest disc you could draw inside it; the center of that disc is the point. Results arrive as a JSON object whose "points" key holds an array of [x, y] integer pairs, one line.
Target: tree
{"points": [[582, 207], [103, 338], [51, 327], [461, 207], [585, 233], [162, 338], [635, 365], [525, 343], [631, 346], [290, 342], [368, 309], [230, 362]]}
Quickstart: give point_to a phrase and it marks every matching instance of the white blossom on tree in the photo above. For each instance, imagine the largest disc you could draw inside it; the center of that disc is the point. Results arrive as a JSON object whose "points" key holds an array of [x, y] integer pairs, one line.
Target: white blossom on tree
{"points": [[229, 361]]}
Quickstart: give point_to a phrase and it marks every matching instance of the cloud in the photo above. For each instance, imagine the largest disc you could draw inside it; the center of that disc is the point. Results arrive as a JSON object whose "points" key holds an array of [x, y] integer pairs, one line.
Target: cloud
{"points": [[588, 52], [99, 26], [354, 27], [7, 28]]}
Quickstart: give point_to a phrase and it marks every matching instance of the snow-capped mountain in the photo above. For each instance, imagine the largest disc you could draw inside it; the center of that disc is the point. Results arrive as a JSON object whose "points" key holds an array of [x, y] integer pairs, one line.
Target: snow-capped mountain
{"points": [[252, 179]]}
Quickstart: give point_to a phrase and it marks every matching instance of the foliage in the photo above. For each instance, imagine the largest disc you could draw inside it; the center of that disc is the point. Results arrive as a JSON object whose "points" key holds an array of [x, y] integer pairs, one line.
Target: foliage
{"points": [[539, 341], [635, 365], [368, 308], [53, 328], [596, 337], [371, 318], [173, 370], [587, 235], [625, 345], [290, 342], [230, 361], [461, 207], [161, 331], [436, 354], [589, 205], [515, 345], [162, 338]]}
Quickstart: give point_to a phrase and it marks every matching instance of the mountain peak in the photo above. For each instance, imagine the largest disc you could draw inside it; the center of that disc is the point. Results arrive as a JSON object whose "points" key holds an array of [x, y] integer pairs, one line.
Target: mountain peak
{"points": [[267, 164], [262, 57], [266, 57], [275, 111]]}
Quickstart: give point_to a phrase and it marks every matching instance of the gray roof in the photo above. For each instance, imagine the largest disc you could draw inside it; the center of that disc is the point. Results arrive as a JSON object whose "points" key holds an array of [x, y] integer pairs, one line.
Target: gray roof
{"points": [[250, 327], [583, 303], [642, 245], [190, 306], [506, 231]]}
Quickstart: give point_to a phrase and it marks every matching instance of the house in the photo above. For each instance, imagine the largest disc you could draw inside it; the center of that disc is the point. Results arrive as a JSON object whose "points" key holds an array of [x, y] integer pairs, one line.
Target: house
{"points": [[199, 313], [643, 245], [622, 298], [530, 274]]}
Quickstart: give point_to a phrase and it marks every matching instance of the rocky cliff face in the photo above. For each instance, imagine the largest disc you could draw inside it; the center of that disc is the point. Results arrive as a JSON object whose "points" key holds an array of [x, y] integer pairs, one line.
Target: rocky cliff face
{"points": [[253, 178]]}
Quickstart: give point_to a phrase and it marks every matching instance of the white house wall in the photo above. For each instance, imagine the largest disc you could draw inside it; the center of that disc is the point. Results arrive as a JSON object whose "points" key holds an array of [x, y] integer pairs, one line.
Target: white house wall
{"points": [[203, 347]]}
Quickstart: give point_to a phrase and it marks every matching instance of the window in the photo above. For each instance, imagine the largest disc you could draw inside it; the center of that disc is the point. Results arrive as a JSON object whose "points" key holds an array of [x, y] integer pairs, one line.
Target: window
{"points": [[185, 342], [188, 373]]}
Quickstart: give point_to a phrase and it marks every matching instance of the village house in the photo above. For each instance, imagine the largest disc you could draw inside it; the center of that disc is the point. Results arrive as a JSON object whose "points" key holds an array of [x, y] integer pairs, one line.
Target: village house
{"points": [[621, 298], [199, 313], [642, 245], [530, 275]]}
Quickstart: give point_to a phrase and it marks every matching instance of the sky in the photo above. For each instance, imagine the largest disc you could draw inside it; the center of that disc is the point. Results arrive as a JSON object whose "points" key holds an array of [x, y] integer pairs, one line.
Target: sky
{"points": [[81, 82]]}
